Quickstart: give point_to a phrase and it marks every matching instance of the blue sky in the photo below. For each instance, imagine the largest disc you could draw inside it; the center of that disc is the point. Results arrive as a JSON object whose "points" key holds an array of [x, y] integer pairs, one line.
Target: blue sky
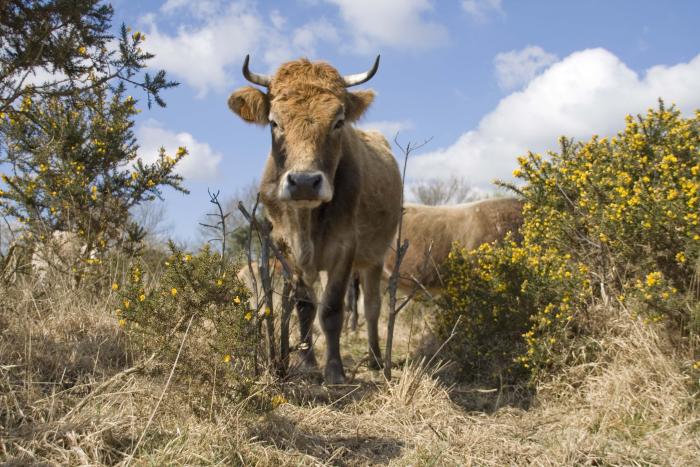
{"points": [[488, 80]]}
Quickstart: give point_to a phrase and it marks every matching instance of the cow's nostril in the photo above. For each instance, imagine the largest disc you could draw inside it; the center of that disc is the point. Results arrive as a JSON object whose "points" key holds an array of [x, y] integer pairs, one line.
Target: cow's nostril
{"points": [[317, 182], [290, 180]]}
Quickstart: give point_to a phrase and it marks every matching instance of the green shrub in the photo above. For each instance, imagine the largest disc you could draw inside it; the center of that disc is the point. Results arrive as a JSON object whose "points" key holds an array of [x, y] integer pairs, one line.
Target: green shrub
{"points": [[201, 301], [514, 303], [610, 219], [75, 169]]}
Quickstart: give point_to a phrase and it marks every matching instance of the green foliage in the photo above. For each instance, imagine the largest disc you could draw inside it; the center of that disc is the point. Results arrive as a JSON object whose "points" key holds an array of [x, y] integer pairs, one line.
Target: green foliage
{"points": [[70, 42], [74, 168], [200, 293], [610, 219], [513, 302], [67, 143]]}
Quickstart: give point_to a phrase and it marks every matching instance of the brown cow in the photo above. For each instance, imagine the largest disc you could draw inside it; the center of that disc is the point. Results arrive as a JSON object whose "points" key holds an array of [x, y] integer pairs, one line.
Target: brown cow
{"points": [[332, 192], [470, 224]]}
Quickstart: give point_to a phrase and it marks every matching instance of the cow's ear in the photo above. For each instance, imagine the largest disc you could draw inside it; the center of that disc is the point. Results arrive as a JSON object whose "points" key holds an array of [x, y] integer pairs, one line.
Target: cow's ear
{"points": [[357, 103], [250, 104]]}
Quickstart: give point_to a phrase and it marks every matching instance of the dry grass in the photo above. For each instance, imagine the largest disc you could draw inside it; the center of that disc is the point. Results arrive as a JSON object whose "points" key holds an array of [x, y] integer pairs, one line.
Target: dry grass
{"points": [[632, 405]]}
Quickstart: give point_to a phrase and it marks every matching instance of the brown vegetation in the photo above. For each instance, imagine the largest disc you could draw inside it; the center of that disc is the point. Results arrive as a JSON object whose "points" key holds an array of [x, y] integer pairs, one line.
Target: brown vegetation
{"points": [[633, 405]]}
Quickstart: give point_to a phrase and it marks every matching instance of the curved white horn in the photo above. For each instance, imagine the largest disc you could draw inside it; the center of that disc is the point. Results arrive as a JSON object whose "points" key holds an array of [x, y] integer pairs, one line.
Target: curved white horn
{"points": [[262, 80], [354, 80]]}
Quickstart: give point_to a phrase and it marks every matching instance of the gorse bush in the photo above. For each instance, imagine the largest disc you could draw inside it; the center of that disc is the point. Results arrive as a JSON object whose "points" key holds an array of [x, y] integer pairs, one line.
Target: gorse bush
{"points": [[514, 303], [75, 167], [609, 219], [66, 128], [199, 300]]}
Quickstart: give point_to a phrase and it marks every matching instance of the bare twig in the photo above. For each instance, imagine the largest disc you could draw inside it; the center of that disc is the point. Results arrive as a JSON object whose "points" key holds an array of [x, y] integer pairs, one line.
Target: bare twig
{"points": [[286, 269], [220, 225], [265, 270], [401, 248]]}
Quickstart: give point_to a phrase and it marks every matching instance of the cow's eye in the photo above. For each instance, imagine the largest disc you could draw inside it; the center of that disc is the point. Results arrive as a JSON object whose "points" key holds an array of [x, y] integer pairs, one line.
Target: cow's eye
{"points": [[339, 124]]}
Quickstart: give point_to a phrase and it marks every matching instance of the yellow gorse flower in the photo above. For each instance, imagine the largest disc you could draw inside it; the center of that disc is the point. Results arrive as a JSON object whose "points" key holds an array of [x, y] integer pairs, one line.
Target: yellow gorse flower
{"points": [[653, 278]]}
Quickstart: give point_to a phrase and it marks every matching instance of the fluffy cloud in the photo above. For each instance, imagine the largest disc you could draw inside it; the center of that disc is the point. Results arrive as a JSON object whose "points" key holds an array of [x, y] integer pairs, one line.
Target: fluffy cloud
{"points": [[199, 8], [201, 55], [518, 67], [588, 92], [388, 128], [481, 9], [394, 23], [201, 163], [207, 54]]}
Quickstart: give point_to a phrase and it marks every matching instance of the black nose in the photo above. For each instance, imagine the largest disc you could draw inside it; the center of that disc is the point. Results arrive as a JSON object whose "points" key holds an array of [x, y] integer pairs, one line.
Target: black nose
{"points": [[304, 185]]}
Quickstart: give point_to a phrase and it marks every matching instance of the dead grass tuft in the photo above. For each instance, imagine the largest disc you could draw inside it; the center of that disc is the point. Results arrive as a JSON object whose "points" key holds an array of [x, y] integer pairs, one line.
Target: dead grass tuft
{"points": [[632, 404]]}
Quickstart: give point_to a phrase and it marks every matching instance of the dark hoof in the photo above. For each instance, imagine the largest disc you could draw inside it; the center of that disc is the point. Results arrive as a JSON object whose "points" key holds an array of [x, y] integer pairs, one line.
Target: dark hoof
{"points": [[308, 359], [375, 364], [334, 373], [375, 360]]}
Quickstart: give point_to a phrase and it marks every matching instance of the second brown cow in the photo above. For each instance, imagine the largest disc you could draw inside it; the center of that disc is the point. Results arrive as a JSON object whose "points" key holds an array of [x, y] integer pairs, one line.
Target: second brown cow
{"points": [[471, 225]]}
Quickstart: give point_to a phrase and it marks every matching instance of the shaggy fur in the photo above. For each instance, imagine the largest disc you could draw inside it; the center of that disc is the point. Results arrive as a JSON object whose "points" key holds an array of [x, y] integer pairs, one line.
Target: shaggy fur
{"points": [[470, 225], [354, 229]]}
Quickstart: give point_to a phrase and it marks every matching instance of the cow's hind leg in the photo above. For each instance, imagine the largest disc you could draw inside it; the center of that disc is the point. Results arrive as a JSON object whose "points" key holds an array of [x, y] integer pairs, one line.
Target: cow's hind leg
{"points": [[351, 299], [371, 278], [306, 310]]}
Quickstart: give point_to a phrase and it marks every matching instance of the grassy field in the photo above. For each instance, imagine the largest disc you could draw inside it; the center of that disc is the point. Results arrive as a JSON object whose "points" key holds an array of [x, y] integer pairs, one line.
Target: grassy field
{"points": [[65, 398]]}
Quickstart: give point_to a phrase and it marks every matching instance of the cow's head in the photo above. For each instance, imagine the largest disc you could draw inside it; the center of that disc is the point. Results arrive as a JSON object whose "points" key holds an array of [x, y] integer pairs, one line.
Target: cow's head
{"points": [[307, 106]]}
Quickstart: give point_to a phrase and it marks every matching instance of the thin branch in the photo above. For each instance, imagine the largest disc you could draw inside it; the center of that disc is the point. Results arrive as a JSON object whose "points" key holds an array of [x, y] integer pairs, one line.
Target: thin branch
{"points": [[401, 248]]}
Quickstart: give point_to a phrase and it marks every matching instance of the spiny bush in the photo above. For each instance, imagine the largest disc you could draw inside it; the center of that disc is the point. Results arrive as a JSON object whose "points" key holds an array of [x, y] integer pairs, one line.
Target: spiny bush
{"points": [[504, 295], [199, 301], [609, 219], [75, 168]]}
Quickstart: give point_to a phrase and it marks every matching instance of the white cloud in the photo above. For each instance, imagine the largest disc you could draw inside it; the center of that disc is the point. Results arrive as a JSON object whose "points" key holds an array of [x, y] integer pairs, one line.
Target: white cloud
{"points": [[481, 9], [200, 56], [199, 8], [305, 37], [201, 163], [588, 92], [388, 128], [207, 55], [518, 67], [394, 23]]}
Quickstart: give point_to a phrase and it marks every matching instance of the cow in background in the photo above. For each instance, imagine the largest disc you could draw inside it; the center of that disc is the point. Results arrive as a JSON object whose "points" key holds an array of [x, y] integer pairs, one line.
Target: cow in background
{"points": [[61, 253], [470, 225]]}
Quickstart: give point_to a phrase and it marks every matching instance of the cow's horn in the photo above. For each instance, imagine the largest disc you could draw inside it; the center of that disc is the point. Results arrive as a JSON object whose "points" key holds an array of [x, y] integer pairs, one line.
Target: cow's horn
{"points": [[262, 80], [354, 80]]}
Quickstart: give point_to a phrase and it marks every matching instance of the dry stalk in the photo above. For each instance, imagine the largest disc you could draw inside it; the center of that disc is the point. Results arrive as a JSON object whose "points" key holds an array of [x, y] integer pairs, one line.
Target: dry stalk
{"points": [[162, 394], [401, 248], [263, 231]]}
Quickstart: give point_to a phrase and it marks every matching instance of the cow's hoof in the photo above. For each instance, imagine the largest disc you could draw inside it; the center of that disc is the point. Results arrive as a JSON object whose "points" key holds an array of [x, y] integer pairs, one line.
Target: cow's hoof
{"points": [[375, 364], [334, 373], [308, 360]]}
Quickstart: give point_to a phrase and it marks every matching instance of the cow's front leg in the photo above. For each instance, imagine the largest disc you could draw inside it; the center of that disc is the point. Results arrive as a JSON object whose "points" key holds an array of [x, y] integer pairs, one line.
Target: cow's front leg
{"points": [[306, 311], [331, 314]]}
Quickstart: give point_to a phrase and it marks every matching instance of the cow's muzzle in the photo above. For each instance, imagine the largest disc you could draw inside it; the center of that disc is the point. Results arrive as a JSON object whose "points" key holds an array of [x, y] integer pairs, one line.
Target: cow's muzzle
{"points": [[305, 187]]}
